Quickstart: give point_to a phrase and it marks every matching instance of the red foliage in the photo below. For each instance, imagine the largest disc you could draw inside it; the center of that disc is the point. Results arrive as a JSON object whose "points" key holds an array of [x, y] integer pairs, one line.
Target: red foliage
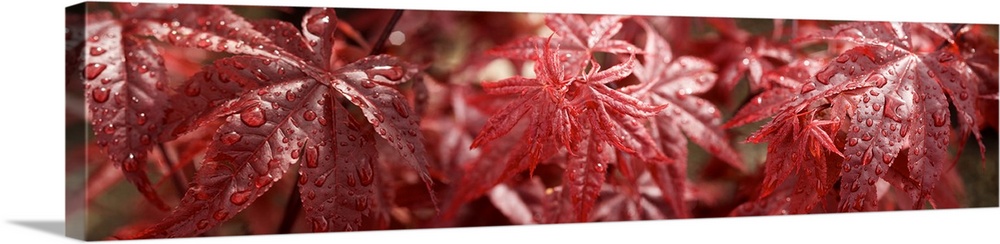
{"points": [[599, 131]]}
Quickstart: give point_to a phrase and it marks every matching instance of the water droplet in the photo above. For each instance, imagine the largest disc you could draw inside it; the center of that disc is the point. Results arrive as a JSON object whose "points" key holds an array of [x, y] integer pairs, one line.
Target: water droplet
{"points": [[202, 224], [239, 65], [855, 187], [290, 96], [808, 87], [599, 167], [392, 73], [876, 79], [240, 197], [141, 118], [231, 138], [262, 181], [295, 154], [367, 84], [866, 137], [109, 129], [842, 58], [381, 131], [97, 51], [100, 95], [878, 170], [867, 157], [869, 122], [203, 43], [823, 77], [940, 118], [322, 121], [220, 215], [876, 107], [142, 69], [365, 174], [361, 204], [320, 224], [320, 181], [253, 117], [852, 142], [964, 95], [312, 154], [93, 70], [309, 115], [260, 75], [890, 111], [351, 181], [886, 158]]}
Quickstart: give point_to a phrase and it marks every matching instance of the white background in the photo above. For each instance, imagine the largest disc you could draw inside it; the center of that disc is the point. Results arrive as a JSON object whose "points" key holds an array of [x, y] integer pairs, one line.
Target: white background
{"points": [[32, 157]]}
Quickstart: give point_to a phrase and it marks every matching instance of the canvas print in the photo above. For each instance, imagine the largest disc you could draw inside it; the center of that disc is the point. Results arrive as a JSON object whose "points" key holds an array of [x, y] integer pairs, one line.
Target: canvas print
{"points": [[191, 120]]}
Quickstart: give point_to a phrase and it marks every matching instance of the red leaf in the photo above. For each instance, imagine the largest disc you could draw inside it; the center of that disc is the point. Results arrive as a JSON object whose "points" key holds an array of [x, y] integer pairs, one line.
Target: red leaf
{"points": [[673, 83], [125, 79], [338, 181], [894, 97], [281, 110]]}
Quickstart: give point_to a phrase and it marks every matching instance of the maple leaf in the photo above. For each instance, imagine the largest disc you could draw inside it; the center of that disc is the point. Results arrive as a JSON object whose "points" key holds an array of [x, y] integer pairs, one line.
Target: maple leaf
{"points": [[894, 94], [563, 107], [279, 111], [673, 83], [741, 53], [577, 41], [125, 79], [785, 83]]}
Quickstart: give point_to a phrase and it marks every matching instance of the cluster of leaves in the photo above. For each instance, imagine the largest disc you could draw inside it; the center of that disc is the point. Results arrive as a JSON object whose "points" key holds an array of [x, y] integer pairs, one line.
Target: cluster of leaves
{"points": [[597, 129]]}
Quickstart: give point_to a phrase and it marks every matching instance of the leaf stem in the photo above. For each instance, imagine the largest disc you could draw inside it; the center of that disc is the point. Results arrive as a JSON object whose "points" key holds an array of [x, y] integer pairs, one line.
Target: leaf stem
{"points": [[292, 208], [378, 46], [180, 181]]}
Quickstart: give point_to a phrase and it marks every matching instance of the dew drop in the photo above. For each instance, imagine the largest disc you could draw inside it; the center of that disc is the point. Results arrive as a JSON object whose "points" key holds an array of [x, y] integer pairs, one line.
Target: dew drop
{"points": [[877, 79], [142, 69], [320, 181], [855, 187], [93, 70], [203, 224], [220, 215], [367, 84], [231, 138], [320, 224], [852, 142], [869, 122], [964, 95], [808, 87], [392, 73], [312, 154], [290, 96], [309, 115], [240, 197], [100, 95], [141, 119], [97, 51], [351, 181], [940, 119], [253, 117], [295, 154], [867, 157], [260, 75], [842, 59], [361, 204], [365, 174], [886, 158]]}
